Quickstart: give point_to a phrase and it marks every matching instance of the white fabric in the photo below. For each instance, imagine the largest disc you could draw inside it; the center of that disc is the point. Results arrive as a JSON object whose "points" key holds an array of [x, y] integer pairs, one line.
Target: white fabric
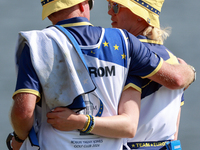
{"points": [[58, 66], [158, 115], [26, 145], [108, 93]]}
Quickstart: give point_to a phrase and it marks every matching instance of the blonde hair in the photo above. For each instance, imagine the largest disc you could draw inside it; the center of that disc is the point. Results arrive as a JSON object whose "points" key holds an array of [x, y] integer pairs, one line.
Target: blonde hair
{"points": [[157, 34]]}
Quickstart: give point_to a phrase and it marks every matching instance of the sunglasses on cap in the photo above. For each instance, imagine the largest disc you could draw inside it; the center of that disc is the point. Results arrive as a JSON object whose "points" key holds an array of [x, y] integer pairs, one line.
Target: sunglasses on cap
{"points": [[114, 6], [91, 3]]}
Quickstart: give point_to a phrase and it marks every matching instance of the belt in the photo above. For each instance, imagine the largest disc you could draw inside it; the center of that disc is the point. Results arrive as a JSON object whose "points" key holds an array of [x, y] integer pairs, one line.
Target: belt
{"points": [[160, 145], [148, 145]]}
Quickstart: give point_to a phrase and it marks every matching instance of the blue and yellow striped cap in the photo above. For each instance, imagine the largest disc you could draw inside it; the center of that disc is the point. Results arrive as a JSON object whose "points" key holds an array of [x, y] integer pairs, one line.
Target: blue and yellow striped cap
{"points": [[149, 10], [51, 6]]}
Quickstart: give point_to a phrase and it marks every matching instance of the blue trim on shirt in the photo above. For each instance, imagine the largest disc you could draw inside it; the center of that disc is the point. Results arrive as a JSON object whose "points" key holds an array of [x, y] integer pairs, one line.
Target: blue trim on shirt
{"points": [[84, 35], [27, 77]]}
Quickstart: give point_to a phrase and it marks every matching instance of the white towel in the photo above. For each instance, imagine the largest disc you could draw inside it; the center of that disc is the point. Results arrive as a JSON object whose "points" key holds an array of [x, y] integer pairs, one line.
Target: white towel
{"points": [[60, 69]]}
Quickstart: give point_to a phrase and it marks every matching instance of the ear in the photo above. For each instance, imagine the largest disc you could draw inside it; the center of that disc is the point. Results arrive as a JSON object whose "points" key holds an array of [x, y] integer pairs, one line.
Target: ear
{"points": [[51, 18], [81, 7]]}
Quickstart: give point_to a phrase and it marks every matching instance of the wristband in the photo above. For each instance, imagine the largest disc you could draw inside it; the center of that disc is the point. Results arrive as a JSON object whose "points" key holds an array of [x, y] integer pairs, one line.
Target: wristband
{"points": [[86, 123], [17, 138], [89, 124]]}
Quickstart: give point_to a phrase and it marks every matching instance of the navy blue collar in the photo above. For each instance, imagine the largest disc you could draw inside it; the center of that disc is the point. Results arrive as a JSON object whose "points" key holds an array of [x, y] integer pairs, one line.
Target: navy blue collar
{"points": [[75, 21]]}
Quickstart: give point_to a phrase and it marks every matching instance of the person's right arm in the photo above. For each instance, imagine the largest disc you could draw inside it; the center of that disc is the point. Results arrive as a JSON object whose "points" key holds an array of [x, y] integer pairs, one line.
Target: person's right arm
{"points": [[174, 76], [148, 64]]}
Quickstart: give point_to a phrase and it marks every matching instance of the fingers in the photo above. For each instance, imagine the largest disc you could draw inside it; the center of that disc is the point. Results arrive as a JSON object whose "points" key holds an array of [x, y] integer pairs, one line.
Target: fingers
{"points": [[51, 121], [56, 114], [181, 61], [52, 118], [52, 115], [62, 119], [58, 109]]}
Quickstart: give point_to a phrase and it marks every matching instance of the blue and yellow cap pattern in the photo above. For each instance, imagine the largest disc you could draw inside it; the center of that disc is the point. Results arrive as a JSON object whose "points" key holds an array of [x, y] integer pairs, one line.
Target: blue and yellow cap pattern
{"points": [[51, 6], [149, 10]]}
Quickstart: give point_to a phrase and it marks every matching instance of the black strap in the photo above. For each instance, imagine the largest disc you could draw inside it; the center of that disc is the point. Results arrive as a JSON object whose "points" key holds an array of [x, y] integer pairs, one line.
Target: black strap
{"points": [[9, 140]]}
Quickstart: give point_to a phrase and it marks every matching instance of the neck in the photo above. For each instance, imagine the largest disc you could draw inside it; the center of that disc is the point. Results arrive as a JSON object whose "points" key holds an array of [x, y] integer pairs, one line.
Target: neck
{"points": [[136, 32], [138, 28]]}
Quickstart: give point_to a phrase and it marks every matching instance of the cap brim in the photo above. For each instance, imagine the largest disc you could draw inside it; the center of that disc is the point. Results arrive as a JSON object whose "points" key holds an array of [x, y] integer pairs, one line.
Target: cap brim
{"points": [[151, 18], [58, 5]]}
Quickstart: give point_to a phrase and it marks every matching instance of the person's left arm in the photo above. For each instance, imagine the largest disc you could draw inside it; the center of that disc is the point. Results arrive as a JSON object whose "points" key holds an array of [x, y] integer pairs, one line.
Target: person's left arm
{"points": [[123, 125], [177, 125]]}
